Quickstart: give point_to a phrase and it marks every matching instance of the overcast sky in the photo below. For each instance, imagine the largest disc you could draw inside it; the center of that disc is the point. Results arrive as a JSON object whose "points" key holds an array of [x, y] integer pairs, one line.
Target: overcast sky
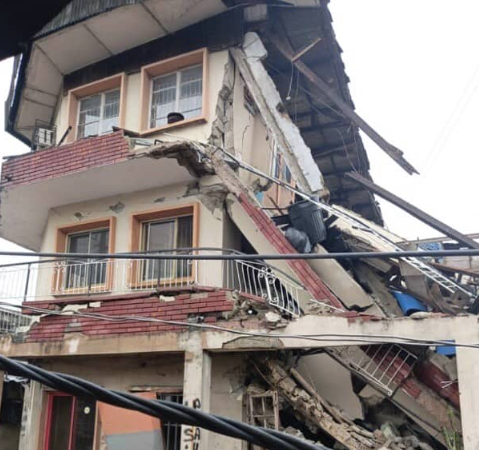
{"points": [[414, 70]]}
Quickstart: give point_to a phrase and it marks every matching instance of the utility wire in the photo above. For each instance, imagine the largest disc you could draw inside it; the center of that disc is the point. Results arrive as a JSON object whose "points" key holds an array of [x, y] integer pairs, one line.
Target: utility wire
{"points": [[249, 257], [164, 410], [318, 337]]}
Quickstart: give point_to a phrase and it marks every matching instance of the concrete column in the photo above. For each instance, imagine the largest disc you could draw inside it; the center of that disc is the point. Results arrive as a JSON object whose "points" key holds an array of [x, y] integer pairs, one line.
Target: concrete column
{"points": [[31, 415], [196, 390], [468, 374]]}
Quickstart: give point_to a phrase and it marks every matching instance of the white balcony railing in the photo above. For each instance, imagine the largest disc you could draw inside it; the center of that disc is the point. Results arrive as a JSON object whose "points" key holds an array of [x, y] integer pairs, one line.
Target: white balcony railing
{"points": [[12, 321], [48, 279]]}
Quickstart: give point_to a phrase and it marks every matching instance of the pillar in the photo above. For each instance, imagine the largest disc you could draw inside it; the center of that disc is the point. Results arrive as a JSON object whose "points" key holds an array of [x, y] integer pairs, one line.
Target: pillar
{"points": [[196, 390], [468, 374]]}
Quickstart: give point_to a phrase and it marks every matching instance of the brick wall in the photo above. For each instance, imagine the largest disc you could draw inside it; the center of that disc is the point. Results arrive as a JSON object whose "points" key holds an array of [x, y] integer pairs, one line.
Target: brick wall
{"points": [[210, 304], [272, 233], [57, 161]]}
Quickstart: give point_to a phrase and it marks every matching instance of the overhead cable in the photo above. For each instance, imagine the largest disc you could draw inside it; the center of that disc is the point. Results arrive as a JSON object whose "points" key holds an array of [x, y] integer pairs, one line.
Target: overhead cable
{"points": [[164, 410], [317, 337]]}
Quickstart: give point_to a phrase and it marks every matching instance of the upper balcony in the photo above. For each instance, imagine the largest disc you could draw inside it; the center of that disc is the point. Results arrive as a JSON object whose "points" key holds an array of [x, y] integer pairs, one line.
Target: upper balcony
{"points": [[63, 279], [88, 169]]}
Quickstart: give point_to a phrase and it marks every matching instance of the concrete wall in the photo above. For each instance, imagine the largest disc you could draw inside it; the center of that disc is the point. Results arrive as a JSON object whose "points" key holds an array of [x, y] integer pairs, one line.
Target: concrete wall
{"points": [[333, 382], [227, 393]]}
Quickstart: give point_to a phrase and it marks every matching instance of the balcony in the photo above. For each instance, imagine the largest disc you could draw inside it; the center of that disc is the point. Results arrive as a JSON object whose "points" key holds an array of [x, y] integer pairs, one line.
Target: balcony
{"points": [[60, 279], [11, 321], [85, 170]]}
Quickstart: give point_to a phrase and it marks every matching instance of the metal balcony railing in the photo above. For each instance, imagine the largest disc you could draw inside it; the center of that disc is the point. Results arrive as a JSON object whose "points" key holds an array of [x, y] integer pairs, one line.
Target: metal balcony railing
{"points": [[12, 321], [46, 279]]}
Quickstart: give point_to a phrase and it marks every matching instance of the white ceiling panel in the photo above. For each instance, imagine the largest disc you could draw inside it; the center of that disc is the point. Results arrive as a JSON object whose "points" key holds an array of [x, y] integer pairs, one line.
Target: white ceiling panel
{"points": [[125, 28], [42, 73], [177, 14], [37, 96], [29, 112], [73, 48]]}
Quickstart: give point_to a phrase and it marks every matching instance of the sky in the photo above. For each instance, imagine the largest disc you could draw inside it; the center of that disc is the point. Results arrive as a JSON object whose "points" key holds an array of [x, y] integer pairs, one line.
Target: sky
{"points": [[414, 70]]}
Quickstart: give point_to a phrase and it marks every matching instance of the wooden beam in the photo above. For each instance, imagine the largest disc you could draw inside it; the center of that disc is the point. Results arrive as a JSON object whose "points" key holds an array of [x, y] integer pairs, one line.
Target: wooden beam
{"points": [[413, 210], [285, 49]]}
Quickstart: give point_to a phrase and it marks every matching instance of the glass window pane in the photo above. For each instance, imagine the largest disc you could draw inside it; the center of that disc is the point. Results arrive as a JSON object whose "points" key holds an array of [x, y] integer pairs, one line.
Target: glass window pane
{"points": [[184, 239], [158, 236], [163, 99], [98, 268], [161, 235], [99, 241], [191, 86], [111, 111], [84, 425], [60, 422], [89, 116], [78, 243]]}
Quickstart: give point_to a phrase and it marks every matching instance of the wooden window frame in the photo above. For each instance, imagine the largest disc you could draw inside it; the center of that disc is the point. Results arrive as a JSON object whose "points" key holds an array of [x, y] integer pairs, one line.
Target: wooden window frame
{"points": [[61, 247], [171, 65], [137, 221], [97, 87]]}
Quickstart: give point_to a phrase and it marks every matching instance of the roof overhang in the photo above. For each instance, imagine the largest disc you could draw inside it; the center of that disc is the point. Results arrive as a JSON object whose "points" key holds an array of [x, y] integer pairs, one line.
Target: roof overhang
{"points": [[38, 82]]}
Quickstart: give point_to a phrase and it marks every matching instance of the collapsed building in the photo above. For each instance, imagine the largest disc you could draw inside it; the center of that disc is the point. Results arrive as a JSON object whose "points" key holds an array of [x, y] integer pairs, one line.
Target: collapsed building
{"points": [[221, 129]]}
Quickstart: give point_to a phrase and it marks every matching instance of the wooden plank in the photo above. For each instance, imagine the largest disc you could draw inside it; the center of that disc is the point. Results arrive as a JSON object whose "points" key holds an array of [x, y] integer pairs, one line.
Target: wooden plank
{"points": [[285, 49], [413, 210]]}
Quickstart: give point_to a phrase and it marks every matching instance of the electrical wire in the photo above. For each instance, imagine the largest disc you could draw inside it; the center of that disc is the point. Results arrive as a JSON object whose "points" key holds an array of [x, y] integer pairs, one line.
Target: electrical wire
{"points": [[318, 337], [164, 410], [249, 257]]}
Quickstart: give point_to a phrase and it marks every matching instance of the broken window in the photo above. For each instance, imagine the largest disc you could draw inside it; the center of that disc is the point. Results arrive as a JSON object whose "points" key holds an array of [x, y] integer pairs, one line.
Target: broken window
{"points": [[70, 423], [166, 234], [263, 411], [178, 92], [171, 430], [279, 196], [87, 273], [98, 113]]}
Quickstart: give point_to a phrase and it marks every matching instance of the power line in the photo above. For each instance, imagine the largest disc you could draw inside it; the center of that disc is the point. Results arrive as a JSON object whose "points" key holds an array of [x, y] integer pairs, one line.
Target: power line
{"points": [[164, 410], [249, 257], [318, 337]]}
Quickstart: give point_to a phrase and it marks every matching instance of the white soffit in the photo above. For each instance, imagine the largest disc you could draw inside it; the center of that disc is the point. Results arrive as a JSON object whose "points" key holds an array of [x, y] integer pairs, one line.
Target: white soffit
{"points": [[101, 182], [177, 14], [73, 48], [126, 28]]}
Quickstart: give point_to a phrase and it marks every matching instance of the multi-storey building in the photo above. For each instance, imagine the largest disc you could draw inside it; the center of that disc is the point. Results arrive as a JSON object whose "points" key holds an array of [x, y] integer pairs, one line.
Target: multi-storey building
{"points": [[154, 126]]}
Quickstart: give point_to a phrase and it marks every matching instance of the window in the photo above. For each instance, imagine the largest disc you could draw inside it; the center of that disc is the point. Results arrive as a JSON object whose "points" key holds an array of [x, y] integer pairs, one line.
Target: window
{"points": [[98, 114], [80, 276], [87, 273], [167, 234], [70, 423], [171, 431], [276, 196], [94, 108], [175, 85], [164, 229], [176, 92]]}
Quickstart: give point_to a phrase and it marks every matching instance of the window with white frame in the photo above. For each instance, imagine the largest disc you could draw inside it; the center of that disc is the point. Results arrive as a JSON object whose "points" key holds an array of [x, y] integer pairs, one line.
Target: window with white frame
{"points": [[98, 113], [179, 92]]}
